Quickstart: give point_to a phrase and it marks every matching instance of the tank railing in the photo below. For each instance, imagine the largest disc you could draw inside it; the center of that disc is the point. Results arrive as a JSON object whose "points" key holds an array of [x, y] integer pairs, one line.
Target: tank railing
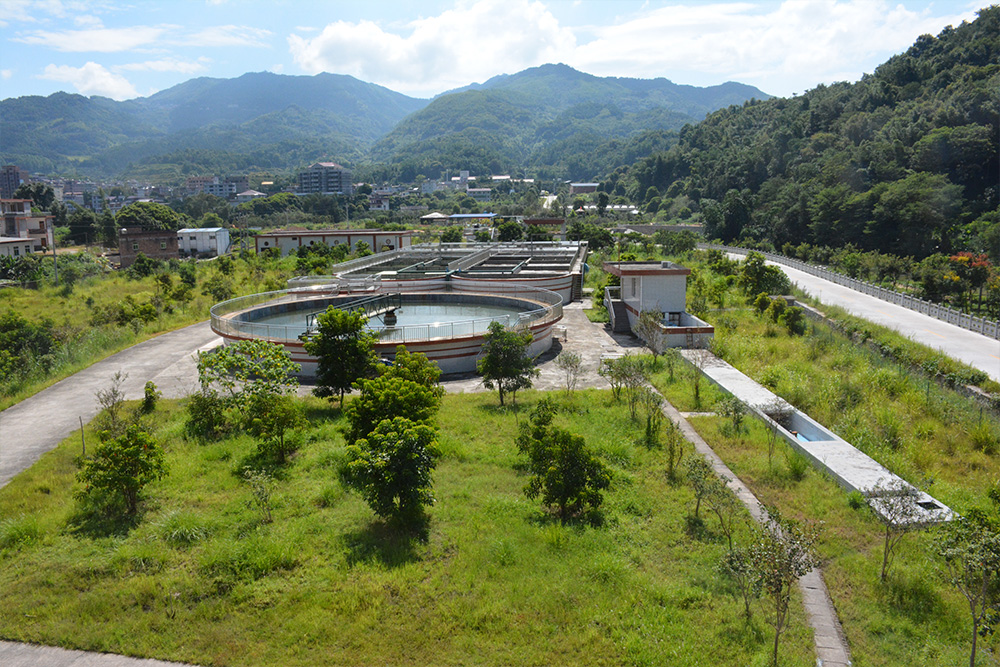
{"points": [[549, 310], [343, 284], [369, 260]]}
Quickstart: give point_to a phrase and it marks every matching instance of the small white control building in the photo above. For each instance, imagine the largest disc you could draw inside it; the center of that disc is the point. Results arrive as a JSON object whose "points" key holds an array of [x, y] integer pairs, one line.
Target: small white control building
{"points": [[660, 288], [203, 242], [11, 246]]}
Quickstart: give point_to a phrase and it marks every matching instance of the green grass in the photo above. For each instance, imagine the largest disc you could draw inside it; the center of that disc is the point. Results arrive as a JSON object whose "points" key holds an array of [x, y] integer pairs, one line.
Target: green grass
{"points": [[909, 424], [83, 344], [494, 581]]}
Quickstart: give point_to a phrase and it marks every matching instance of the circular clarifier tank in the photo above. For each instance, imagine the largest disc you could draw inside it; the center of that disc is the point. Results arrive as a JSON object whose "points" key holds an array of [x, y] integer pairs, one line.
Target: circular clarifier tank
{"points": [[446, 325]]}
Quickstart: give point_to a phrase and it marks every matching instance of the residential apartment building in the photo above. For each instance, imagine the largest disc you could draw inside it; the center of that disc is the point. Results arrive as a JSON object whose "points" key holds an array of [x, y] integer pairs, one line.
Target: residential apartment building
{"points": [[11, 178], [325, 178]]}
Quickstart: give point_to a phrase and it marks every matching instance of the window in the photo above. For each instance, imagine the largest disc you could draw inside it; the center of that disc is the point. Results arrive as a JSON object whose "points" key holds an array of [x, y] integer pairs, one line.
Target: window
{"points": [[634, 281], [135, 246], [163, 245], [192, 238], [17, 251], [211, 237]]}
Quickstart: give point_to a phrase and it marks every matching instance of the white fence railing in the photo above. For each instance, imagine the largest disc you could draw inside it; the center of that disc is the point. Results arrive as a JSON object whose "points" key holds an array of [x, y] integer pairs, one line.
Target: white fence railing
{"points": [[542, 306], [980, 325]]}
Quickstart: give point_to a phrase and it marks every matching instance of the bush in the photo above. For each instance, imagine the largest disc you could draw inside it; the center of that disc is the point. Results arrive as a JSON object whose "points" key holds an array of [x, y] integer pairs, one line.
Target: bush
{"points": [[123, 466]]}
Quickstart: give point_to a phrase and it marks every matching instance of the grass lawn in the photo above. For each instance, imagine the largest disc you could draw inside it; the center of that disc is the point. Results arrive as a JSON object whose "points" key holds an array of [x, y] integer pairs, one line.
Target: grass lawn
{"points": [[918, 430], [494, 581]]}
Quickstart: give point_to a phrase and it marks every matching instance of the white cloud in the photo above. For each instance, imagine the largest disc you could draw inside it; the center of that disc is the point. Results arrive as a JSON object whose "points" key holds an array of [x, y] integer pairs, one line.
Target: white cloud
{"points": [[6, 73], [87, 21], [230, 35], [167, 65], [103, 40], [470, 42], [92, 79], [788, 49]]}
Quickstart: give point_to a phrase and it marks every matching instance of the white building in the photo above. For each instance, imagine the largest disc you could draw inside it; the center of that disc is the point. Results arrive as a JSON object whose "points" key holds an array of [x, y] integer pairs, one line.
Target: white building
{"points": [[660, 288], [203, 241], [15, 247]]}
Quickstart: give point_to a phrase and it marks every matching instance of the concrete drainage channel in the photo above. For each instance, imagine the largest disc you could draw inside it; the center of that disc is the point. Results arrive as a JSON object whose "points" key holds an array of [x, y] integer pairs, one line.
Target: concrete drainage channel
{"points": [[851, 468]]}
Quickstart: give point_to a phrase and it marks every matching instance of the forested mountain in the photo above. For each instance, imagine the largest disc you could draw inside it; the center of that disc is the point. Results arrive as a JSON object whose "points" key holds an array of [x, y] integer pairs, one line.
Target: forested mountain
{"points": [[269, 120], [904, 161], [551, 119]]}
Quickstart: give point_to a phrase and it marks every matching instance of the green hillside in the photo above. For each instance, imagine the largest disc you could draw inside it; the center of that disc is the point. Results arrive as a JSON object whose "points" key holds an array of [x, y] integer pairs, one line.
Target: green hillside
{"points": [[904, 161], [549, 120]]}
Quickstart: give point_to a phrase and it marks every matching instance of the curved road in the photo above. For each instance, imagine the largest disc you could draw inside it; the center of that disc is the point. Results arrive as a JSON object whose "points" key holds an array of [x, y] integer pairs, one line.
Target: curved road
{"points": [[977, 350], [39, 423]]}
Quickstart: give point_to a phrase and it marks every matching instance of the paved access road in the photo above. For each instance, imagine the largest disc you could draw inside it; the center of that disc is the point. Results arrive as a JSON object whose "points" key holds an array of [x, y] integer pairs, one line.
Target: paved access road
{"points": [[39, 423], [29, 655], [974, 349]]}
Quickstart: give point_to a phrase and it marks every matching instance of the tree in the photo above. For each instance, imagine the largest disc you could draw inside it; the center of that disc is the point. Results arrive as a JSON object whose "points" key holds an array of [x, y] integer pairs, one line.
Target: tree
{"points": [[42, 195], [273, 418], [895, 505], [569, 363], [505, 364], [563, 470], [970, 548], [414, 366], [451, 235], [248, 370], [781, 552], [392, 467], [756, 276], [627, 375], [387, 397], [149, 215], [343, 351], [509, 231], [702, 479], [648, 328], [123, 466]]}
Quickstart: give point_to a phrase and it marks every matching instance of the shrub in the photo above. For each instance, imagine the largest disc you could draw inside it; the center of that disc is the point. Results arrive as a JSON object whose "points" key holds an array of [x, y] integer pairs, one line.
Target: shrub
{"points": [[123, 466]]}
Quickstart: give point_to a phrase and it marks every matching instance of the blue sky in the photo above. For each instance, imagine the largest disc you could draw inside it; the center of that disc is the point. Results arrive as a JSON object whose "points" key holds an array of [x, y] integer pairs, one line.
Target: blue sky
{"points": [[135, 48]]}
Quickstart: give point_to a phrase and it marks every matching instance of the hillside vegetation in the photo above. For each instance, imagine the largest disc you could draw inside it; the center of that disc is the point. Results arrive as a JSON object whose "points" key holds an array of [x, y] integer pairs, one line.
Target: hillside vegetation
{"points": [[904, 161]]}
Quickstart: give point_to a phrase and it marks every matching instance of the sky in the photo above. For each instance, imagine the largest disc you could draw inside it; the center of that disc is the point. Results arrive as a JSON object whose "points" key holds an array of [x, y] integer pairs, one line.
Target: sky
{"points": [[127, 49]]}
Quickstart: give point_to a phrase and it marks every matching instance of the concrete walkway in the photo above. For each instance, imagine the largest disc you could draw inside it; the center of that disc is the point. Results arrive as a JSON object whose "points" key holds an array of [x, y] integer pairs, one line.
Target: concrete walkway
{"points": [[39, 423], [828, 635]]}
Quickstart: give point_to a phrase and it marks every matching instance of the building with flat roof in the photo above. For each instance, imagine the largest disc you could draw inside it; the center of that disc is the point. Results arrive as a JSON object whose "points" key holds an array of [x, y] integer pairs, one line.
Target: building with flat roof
{"points": [[15, 247], [659, 288], [20, 222], [325, 178], [203, 241], [582, 188], [153, 243], [289, 240]]}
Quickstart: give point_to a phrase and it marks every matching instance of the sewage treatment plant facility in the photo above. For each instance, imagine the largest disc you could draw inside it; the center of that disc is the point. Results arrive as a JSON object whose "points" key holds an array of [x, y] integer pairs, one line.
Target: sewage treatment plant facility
{"points": [[436, 299]]}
